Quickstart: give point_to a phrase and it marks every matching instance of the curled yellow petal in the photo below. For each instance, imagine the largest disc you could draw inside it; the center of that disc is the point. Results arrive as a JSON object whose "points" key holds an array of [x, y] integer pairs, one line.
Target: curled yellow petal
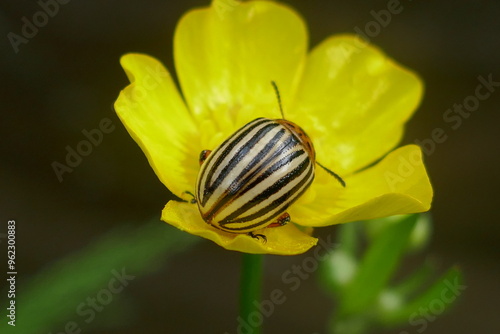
{"points": [[155, 116], [396, 185], [283, 240], [353, 101]]}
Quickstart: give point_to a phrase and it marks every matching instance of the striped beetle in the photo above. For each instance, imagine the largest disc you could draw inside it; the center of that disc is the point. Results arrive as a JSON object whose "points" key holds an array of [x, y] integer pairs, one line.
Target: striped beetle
{"points": [[248, 182]]}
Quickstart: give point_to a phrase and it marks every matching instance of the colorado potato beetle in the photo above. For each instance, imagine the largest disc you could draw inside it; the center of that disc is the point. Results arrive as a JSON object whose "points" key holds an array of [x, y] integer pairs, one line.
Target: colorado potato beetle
{"points": [[248, 182]]}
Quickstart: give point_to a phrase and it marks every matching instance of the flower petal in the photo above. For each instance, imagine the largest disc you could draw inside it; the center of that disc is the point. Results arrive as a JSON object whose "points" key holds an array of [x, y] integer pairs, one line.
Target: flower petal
{"points": [[227, 55], [283, 240], [396, 185], [156, 117], [353, 102]]}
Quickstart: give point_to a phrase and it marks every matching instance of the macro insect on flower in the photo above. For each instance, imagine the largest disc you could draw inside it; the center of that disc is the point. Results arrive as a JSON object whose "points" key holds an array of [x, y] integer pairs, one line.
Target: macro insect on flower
{"points": [[350, 98], [250, 180]]}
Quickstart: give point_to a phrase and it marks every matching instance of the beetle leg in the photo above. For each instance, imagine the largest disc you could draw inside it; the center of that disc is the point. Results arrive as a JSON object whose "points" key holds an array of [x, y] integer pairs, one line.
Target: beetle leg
{"points": [[257, 236], [282, 220], [204, 155], [193, 200]]}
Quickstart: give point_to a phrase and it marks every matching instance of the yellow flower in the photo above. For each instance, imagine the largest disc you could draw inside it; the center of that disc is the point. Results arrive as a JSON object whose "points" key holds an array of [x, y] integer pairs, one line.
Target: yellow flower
{"points": [[350, 98]]}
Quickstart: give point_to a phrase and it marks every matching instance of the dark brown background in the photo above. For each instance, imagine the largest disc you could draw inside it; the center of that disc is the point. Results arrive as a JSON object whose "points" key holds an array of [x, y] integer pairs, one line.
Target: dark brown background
{"points": [[67, 77]]}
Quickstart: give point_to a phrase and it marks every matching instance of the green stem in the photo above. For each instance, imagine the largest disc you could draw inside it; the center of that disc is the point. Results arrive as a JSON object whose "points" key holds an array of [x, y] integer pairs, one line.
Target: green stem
{"points": [[251, 282]]}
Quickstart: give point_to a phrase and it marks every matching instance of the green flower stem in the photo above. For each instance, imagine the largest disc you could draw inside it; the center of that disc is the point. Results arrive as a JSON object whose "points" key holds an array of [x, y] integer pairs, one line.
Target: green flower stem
{"points": [[250, 288]]}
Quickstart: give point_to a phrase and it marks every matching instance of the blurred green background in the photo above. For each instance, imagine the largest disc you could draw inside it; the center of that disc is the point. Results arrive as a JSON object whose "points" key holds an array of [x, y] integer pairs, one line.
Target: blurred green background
{"points": [[65, 80]]}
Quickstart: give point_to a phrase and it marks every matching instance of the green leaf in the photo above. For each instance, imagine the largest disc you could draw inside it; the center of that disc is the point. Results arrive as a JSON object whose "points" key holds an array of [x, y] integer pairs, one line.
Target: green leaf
{"points": [[49, 301], [377, 266], [420, 235], [431, 303], [393, 298], [415, 281]]}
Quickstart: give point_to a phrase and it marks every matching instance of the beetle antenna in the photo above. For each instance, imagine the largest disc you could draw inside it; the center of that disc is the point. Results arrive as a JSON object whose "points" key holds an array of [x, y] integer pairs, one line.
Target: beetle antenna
{"points": [[342, 182], [279, 97]]}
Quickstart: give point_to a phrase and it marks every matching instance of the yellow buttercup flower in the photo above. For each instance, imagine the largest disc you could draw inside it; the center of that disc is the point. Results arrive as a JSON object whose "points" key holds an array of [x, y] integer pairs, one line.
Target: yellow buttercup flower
{"points": [[350, 98]]}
